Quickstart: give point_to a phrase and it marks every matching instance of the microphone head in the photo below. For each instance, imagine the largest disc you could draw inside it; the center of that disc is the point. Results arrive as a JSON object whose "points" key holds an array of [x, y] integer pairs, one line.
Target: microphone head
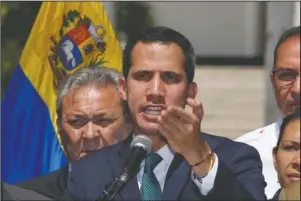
{"points": [[144, 142]]}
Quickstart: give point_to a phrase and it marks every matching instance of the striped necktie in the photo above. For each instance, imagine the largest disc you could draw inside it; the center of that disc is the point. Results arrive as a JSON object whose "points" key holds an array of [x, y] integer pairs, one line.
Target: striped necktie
{"points": [[150, 187]]}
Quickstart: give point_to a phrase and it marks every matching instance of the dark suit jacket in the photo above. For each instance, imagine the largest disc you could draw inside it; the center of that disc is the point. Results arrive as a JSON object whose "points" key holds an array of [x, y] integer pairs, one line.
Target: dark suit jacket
{"points": [[238, 177], [51, 185], [13, 192]]}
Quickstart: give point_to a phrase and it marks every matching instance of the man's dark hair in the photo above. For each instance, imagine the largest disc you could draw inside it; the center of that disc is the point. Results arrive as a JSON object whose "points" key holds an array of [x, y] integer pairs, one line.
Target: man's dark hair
{"points": [[164, 35], [286, 121], [294, 31]]}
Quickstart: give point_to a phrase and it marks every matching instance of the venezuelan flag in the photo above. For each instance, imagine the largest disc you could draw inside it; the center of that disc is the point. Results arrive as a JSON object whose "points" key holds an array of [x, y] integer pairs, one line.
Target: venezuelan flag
{"points": [[65, 37]]}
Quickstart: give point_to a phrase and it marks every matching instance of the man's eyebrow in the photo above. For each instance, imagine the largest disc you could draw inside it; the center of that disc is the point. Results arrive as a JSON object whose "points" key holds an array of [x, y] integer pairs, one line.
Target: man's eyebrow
{"points": [[161, 71], [168, 71], [77, 116], [107, 114], [283, 69], [142, 71]]}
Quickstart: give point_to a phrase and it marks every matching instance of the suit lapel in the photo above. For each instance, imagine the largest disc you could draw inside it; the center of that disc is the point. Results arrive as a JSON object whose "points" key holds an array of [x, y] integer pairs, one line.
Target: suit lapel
{"points": [[131, 189], [210, 140], [62, 179], [54, 184], [176, 178], [58, 185]]}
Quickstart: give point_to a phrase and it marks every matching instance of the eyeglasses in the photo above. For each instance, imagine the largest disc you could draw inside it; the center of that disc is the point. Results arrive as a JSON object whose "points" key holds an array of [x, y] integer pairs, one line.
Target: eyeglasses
{"points": [[285, 75]]}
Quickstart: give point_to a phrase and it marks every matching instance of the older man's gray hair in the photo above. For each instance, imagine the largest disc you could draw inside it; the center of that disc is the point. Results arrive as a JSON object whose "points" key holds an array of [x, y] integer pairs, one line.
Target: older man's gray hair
{"points": [[86, 76]]}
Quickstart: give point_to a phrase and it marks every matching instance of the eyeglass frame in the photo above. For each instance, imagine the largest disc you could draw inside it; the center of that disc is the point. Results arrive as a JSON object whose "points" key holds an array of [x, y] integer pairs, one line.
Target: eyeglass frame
{"points": [[275, 70]]}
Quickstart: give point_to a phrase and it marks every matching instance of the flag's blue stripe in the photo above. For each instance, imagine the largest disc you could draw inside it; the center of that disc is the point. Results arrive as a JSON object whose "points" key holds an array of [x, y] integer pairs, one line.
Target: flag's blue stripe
{"points": [[29, 146]]}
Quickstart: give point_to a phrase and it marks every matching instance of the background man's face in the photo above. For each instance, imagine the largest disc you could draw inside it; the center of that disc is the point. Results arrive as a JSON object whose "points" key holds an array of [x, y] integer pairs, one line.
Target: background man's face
{"points": [[287, 91], [92, 117]]}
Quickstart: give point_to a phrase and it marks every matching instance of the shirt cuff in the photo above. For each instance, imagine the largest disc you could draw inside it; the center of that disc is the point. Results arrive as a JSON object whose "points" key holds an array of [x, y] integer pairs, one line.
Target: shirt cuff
{"points": [[206, 183]]}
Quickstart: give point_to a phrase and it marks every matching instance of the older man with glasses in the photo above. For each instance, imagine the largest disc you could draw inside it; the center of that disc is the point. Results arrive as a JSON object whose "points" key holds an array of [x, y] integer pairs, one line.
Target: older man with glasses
{"points": [[285, 78]]}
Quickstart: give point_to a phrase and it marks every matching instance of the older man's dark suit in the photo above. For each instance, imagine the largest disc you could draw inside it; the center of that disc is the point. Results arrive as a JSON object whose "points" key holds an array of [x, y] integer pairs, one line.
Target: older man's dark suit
{"points": [[238, 177], [13, 192], [52, 185]]}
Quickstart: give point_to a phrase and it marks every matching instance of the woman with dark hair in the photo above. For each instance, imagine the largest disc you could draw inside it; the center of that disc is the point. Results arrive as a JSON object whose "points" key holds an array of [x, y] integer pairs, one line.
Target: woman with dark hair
{"points": [[286, 154]]}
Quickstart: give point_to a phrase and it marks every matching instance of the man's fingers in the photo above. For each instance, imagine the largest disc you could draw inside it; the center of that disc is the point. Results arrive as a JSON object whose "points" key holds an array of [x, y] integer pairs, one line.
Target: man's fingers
{"points": [[181, 114], [197, 107], [163, 128], [174, 122]]}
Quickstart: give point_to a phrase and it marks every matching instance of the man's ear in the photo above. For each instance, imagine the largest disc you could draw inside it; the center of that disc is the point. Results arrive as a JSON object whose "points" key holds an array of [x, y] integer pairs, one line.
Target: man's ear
{"points": [[192, 90], [122, 88]]}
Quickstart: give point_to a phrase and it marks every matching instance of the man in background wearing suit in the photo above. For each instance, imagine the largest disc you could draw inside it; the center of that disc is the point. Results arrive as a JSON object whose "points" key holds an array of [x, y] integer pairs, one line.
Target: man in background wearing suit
{"points": [[158, 68], [91, 115]]}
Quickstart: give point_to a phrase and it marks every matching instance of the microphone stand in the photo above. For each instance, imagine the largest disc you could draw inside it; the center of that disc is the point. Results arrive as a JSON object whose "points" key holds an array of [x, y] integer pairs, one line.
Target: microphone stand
{"points": [[115, 187], [132, 166]]}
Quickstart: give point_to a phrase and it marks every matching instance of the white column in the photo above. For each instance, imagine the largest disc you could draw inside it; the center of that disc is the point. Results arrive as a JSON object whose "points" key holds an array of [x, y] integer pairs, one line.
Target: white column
{"points": [[296, 17], [253, 28]]}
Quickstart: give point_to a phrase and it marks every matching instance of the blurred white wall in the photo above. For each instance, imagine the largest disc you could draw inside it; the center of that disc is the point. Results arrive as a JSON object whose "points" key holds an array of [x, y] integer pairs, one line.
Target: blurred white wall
{"points": [[215, 28], [297, 13]]}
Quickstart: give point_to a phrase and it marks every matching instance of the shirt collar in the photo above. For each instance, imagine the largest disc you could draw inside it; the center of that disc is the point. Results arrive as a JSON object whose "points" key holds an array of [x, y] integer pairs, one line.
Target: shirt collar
{"points": [[165, 152], [167, 155]]}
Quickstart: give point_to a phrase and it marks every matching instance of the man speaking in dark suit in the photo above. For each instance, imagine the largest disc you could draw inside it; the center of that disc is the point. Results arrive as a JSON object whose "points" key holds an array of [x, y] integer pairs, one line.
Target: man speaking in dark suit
{"points": [[185, 164], [91, 115]]}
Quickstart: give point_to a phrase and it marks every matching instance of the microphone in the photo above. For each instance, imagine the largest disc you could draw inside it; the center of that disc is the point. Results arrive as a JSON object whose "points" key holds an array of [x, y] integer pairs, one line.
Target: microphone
{"points": [[141, 146]]}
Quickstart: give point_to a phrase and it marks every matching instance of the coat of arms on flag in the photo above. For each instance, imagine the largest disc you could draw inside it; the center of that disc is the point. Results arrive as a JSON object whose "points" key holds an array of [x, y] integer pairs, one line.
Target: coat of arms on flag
{"points": [[80, 44]]}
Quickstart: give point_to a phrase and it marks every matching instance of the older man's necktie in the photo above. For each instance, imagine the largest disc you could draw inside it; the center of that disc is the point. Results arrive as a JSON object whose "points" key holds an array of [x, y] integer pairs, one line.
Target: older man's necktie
{"points": [[150, 187]]}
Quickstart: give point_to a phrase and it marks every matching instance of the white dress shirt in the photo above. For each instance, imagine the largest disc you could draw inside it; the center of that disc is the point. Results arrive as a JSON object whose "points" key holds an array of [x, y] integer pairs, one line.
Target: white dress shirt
{"points": [[204, 185], [264, 140]]}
